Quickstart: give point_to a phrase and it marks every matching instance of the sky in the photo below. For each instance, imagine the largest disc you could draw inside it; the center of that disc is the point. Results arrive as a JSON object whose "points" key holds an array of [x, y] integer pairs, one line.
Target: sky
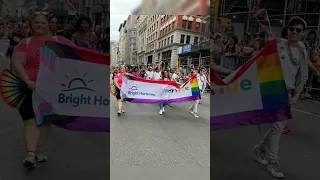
{"points": [[119, 11]]}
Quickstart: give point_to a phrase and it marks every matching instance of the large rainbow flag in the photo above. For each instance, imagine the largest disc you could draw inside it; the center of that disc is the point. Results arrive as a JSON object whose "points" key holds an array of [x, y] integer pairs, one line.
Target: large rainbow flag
{"points": [[255, 94], [73, 83], [138, 90]]}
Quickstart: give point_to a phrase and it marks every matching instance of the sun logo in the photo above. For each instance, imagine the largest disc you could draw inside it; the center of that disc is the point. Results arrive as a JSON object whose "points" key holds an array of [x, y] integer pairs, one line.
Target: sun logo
{"points": [[77, 83]]}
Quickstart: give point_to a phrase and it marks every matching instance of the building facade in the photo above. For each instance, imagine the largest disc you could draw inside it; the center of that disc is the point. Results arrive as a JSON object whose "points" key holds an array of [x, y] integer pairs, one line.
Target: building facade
{"points": [[142, 40], [11, 9], [114, 46], [131, 41], [153, 24], [122, 43], [178, 31]]}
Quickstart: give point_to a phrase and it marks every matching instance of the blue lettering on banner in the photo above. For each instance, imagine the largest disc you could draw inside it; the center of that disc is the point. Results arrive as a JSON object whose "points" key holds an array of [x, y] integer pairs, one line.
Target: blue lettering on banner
{"points": [[135, 93], [76, 101]]}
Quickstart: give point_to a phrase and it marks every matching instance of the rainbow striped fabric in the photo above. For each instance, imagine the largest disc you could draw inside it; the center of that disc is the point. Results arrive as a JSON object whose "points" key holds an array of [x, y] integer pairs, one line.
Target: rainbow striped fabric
{"points": [[261, 14], [255, 94], [45, 5]]}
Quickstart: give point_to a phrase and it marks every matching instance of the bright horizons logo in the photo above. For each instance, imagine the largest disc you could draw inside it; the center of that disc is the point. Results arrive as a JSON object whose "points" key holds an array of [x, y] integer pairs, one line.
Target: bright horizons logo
{"points": [[80, 84], [134, 91], [83, 82]]}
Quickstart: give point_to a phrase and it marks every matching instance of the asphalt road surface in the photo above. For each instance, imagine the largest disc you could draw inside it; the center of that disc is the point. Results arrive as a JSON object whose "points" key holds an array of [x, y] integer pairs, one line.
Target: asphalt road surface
{"points": [[232, 158], [71, 155], [174, 142]]}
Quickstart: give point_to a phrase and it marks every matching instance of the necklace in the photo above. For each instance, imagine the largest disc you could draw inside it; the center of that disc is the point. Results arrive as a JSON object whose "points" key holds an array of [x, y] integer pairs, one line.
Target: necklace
{"points": [[293, 59]]}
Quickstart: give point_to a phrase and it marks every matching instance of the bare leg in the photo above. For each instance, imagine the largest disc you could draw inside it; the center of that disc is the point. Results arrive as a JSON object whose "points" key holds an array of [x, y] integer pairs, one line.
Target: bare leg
{"points": [[45, 130], [32, 135]]}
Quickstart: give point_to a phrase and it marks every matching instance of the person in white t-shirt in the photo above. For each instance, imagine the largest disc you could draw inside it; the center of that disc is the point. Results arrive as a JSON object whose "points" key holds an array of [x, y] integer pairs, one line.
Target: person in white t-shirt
{"points": [[156, 74], [149, 73], [174, 75], [202, 82]]}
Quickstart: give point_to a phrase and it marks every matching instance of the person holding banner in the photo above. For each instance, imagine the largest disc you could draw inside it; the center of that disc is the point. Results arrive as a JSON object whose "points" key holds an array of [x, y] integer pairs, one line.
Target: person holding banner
{"points": [[25, 63], [165, 76], [118, 83], [202, 81], [294, 62]]}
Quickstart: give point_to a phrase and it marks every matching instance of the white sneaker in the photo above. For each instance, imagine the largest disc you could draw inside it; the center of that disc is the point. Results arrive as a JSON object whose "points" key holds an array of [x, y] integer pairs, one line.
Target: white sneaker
{"points": [[274, 170], [160, 112], [163, 110], [190, 110], [260, 156], [195, 115]]}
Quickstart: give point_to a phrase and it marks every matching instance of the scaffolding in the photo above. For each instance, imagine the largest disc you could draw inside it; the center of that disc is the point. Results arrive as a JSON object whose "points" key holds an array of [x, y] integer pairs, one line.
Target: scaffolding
{"points": [[307, 9]]}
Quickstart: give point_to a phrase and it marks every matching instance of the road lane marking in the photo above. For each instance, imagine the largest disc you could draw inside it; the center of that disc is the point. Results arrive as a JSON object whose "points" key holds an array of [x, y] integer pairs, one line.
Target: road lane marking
{"points": [[306, 112]]}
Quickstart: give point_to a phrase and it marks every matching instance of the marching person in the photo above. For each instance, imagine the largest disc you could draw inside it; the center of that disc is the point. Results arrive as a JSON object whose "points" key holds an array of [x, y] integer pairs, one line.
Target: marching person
{"points": [[118, 83], [25, 63], [294, 62], [202, 82]]}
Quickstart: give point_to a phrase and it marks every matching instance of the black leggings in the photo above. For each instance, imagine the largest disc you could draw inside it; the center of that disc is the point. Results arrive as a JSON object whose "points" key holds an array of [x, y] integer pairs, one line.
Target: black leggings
{"points": [[26, 108]]}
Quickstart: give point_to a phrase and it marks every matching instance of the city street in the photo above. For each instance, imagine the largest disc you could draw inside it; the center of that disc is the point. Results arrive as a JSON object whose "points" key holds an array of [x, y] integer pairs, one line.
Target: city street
{"points": [[232, 158], [143, 138], [71, 155]]}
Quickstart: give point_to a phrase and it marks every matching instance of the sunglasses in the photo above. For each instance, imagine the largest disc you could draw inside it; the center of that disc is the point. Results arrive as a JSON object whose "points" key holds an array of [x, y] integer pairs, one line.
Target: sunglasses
{"points": [[298, 30], [41, 12]]}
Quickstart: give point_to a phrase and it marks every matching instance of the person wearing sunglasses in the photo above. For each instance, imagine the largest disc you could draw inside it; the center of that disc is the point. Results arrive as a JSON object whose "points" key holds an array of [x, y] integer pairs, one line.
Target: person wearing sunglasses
{"points": [[294, 62], [202, 82], [25, 63]]}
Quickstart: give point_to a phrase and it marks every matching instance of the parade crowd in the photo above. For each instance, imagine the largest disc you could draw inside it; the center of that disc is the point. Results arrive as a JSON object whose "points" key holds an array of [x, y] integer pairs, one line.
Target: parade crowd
{"points": [[231, 53]]}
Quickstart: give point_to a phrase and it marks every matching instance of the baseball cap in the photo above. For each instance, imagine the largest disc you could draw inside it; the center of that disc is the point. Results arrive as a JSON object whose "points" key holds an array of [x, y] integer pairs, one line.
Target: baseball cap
{"points": [[297, 18]]}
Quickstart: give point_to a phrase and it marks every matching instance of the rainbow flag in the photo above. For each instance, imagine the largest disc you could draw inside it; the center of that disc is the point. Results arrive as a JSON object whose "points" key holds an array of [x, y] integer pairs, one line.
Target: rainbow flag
{"points": [[255, 94], [138, 90], [45, 5], [261, 14], [73, 83]]}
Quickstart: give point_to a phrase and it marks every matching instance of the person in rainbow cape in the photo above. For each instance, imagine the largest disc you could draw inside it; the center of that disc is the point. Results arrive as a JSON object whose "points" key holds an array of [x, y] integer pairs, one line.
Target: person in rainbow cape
{"points": [[294, 63]]}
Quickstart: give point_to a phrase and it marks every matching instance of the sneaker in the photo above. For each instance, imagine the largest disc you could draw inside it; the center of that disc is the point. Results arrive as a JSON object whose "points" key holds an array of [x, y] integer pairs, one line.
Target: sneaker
{"points": [[260, 156], [195, 115], [274, 170], [190, 110], [119, 112], [122, 111], [163, 110], [160, 112], [29, 161], [286, 130], [41, 157]]}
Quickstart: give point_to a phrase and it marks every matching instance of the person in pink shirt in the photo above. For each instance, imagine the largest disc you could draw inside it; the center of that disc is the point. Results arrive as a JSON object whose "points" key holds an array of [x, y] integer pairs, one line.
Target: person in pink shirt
{"points": [[25, 63], [118, 83]]}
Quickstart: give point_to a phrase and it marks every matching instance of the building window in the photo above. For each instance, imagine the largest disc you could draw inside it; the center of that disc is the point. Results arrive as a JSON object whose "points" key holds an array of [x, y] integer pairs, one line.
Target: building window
{"points": [[189, 24], [184, 24], [188, 40], [196, 40], [182, 38], [197, 26], [165, 42], [173, 24], [159, 44], [168, 40], [167, 29], [171, 39]]}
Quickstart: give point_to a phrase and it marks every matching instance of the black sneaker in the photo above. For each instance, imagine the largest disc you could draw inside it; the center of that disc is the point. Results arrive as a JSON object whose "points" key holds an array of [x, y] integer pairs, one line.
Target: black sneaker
{"points": [[119, 113]]}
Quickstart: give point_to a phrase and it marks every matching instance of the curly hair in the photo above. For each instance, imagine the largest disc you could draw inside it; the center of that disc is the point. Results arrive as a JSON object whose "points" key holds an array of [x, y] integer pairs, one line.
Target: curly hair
{"points": [[80, 20]]}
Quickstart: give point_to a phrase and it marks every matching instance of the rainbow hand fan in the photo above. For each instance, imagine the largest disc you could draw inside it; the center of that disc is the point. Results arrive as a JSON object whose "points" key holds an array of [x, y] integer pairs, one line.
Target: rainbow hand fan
{"points": [[113, 89], [12, 89]]}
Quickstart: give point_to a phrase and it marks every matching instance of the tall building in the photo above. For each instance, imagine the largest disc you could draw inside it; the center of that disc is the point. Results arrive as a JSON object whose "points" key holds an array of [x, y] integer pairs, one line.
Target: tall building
{"points": [[114, 46], [131, 45], [122, 42], [176, 31], [142, 40], [153, 24]]}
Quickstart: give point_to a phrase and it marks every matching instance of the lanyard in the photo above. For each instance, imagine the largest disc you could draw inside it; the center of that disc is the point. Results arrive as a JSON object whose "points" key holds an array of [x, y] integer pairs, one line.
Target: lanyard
{"points": [[293, 59]]}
